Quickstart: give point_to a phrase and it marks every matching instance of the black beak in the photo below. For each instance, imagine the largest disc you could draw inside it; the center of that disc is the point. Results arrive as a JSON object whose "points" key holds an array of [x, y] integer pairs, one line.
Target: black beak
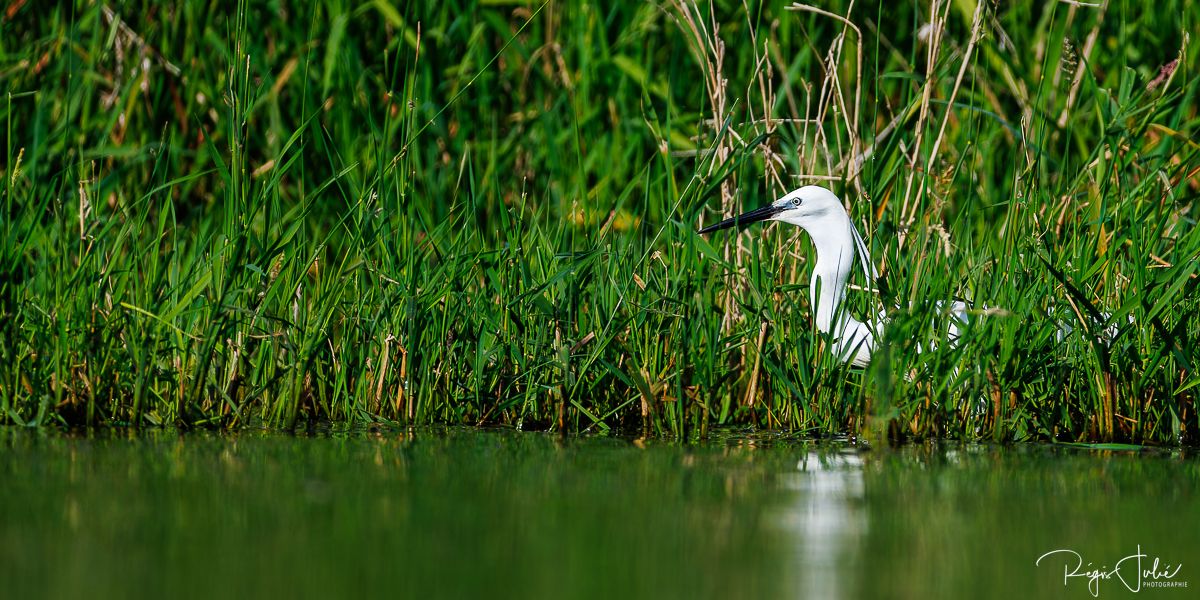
{"points": [[746, 218]]}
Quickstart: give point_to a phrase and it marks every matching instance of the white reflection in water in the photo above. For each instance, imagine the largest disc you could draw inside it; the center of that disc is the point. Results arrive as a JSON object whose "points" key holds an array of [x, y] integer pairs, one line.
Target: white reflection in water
{"points": [[828, 522]]}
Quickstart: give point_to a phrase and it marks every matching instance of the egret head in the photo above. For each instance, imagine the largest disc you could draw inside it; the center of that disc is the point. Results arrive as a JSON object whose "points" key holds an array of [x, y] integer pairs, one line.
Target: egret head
{"points": [[808, 207], [821, 214]]}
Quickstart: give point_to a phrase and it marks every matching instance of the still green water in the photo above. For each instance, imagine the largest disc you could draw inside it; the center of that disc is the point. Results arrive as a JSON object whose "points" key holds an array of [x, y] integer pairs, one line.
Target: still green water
{"points": [[475, 514]]}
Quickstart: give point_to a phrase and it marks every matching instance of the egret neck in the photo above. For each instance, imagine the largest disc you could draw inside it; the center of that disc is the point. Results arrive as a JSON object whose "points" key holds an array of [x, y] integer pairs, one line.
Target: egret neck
{"points": [[819, 212], [827, 289]]}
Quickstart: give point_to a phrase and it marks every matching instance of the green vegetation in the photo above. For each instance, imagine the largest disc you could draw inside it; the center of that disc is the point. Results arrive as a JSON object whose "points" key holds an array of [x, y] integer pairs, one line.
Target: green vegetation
{"points": [[484, 212]]}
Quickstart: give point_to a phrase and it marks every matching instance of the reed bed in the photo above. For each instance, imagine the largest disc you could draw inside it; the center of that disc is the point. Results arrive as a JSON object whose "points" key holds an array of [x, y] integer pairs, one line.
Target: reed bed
{"points": [[484, 212]]}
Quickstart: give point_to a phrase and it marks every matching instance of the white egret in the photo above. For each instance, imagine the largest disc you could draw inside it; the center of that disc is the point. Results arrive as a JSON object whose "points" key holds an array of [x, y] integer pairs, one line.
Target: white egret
{"points": [[819, 212]]}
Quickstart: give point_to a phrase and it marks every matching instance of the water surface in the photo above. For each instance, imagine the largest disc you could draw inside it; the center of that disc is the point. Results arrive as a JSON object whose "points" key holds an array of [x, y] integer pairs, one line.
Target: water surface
{"points": [[467, 513]]}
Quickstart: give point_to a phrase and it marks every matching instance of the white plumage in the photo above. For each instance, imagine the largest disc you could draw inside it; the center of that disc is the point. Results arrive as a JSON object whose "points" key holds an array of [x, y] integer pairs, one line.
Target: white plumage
{"points": [[819, 212]]}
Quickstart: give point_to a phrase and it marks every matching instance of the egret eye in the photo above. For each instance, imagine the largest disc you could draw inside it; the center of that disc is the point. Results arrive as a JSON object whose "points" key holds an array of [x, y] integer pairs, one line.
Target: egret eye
{"points": [[796, 201]]}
